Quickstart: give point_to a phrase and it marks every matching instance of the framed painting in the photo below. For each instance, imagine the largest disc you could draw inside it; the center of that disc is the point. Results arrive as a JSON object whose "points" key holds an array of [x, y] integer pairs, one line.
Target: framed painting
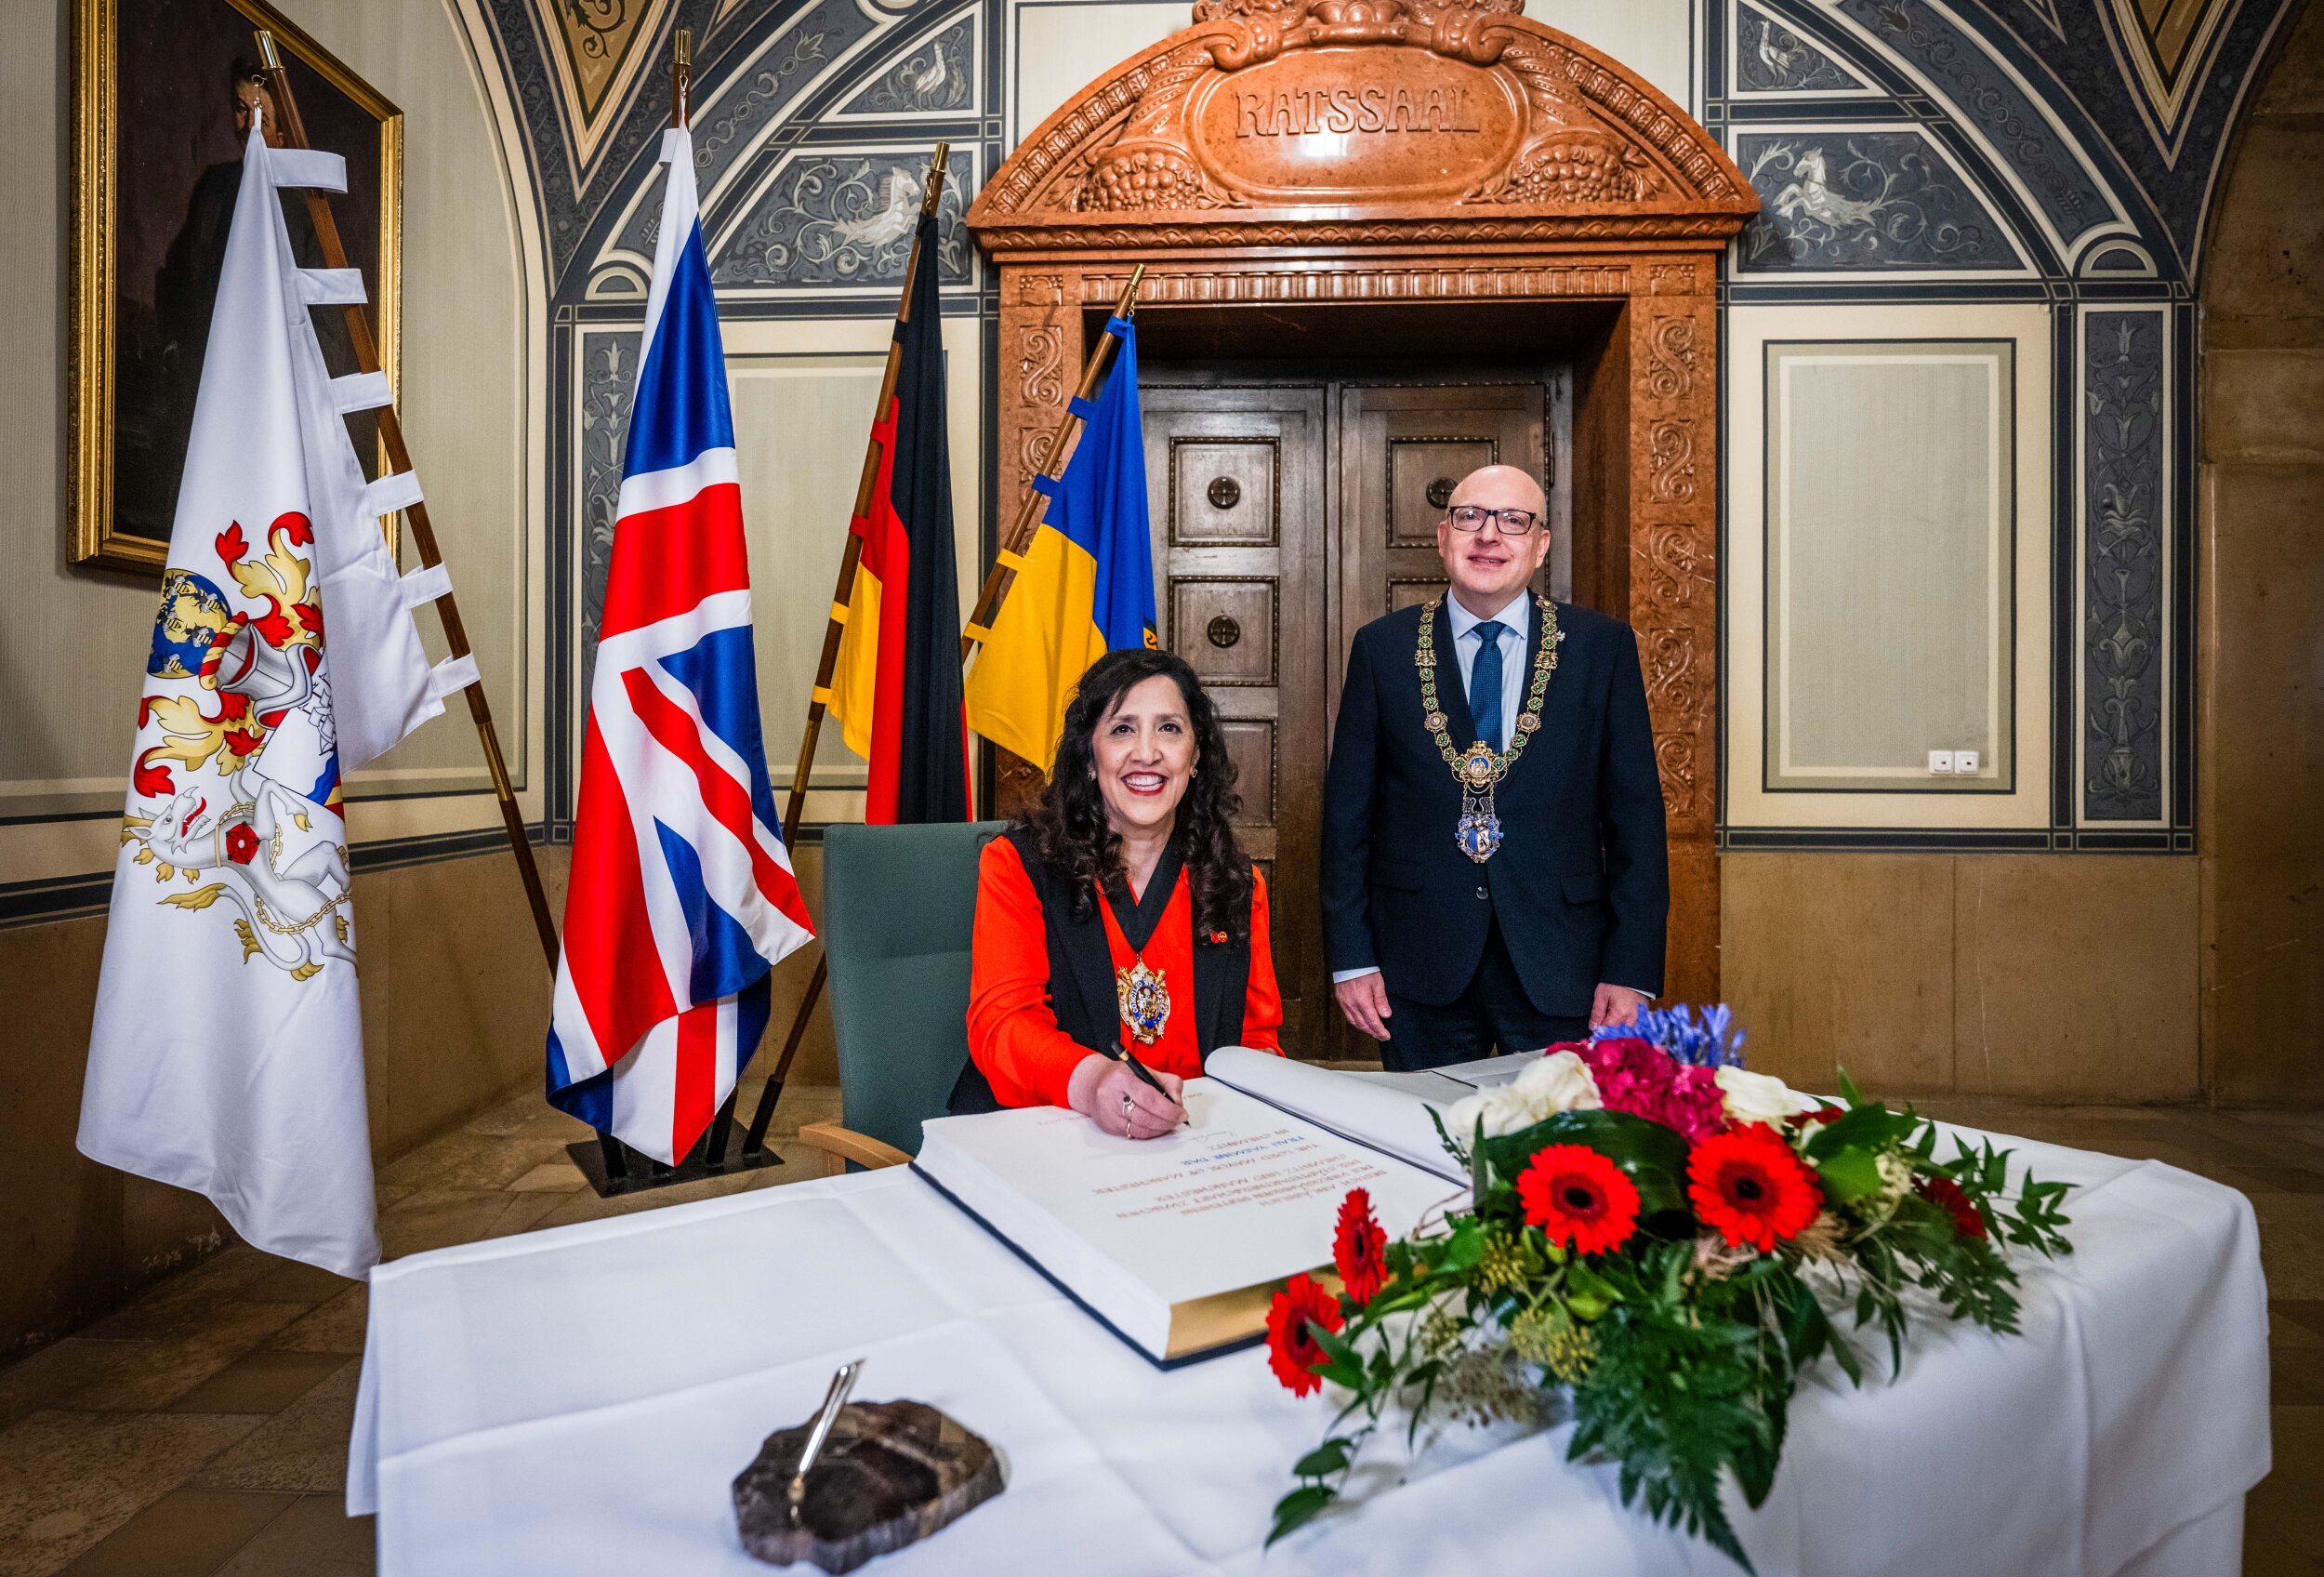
{"points": [[165, 95]]}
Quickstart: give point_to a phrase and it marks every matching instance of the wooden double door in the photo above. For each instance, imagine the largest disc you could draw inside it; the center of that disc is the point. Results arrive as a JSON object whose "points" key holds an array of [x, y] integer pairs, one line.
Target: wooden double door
{"points": [[1289, 511]]}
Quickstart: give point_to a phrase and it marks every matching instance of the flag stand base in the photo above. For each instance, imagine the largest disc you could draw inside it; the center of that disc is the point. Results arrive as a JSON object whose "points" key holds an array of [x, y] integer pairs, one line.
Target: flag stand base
{"points": [[613, 1168]]}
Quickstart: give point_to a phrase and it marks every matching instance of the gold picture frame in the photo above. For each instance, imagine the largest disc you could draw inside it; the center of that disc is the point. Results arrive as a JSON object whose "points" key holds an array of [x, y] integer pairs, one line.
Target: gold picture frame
{"points": [[133, 383]]}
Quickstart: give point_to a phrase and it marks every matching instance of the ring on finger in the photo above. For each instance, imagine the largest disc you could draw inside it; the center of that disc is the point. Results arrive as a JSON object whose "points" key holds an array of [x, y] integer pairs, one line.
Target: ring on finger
{"points": [[1130, 1110]]}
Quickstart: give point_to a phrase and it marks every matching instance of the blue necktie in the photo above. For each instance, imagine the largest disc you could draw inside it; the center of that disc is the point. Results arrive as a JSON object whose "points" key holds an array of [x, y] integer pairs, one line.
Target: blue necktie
{"points": [[1484, 683]]}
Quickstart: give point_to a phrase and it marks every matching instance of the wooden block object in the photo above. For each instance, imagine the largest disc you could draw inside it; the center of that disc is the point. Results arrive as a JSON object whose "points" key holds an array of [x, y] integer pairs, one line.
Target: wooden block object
{"points": [[892, 1473]]}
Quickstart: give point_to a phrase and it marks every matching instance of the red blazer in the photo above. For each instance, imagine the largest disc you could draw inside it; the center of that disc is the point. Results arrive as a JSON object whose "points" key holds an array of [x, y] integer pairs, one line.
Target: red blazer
{"points": [[1013, 1036]]}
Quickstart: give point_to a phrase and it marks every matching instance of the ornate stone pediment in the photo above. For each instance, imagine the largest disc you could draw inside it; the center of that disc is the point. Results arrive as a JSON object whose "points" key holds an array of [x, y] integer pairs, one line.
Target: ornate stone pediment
{"points": [[1282, 121]]}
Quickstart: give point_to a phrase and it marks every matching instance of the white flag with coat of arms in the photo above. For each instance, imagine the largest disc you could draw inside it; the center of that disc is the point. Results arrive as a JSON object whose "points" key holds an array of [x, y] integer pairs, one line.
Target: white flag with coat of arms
{"points": [[227, 1054]]}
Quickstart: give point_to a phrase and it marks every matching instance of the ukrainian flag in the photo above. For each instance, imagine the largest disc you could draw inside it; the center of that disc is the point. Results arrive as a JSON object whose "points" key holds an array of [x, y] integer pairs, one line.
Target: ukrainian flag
{"points": [[1086, 585]]}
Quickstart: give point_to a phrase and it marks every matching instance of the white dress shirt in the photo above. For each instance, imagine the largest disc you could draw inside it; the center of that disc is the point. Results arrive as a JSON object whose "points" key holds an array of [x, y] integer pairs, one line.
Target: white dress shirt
{"points": [[1517, 628]]}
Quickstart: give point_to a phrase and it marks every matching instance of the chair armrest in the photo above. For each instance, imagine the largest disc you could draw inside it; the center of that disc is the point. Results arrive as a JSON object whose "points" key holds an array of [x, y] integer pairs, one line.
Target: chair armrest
{"points": [[845, 1144]]}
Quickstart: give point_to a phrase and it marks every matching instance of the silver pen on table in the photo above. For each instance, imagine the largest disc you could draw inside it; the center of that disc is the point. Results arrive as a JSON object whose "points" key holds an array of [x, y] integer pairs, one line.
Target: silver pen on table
{"points": [[842, 1384]]}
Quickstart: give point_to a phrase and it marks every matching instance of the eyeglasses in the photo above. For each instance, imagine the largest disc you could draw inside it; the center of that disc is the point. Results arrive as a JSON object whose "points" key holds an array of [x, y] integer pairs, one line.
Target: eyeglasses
{"points": [[1509, 522]]}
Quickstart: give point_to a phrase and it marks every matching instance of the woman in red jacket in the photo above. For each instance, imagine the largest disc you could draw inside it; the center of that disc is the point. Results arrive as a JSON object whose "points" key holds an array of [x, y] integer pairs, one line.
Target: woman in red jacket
{"points": [[1119, 912]]}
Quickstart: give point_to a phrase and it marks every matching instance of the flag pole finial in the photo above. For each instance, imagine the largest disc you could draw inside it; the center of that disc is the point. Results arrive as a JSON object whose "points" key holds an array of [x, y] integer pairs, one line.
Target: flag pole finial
{"points": [[937, 164], [682, 77]]}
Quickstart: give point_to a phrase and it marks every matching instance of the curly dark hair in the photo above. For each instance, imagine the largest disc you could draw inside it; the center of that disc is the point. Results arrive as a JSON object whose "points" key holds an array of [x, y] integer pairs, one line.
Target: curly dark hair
{"points": [[1069, 819]]}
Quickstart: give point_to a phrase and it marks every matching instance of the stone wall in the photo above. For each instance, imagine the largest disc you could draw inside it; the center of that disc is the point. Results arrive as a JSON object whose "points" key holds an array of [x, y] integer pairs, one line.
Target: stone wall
{"points": [[2262, 607]]}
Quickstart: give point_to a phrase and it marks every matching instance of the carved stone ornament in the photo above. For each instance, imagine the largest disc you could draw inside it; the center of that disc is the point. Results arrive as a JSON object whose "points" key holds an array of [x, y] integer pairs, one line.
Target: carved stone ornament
{"points": [[1385, 111]]}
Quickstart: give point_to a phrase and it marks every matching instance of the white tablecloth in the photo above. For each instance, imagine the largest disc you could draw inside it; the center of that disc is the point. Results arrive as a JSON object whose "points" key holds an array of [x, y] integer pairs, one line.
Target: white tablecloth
{"points": [[580, 1401]]}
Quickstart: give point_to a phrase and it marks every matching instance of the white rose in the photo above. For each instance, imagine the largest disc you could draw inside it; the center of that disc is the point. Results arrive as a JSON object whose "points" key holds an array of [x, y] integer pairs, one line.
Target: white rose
{"points": [[1551, 1085], [1558, 1082], [1759, 1097], [1503, 1110]]}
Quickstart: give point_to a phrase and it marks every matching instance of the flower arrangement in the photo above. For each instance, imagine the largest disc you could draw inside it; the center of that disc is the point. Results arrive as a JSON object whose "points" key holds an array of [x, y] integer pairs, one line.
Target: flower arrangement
{"points": [[1669, 1239]]}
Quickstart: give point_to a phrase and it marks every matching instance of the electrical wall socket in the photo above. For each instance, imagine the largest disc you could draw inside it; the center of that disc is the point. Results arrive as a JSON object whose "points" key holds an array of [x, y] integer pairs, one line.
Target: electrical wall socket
{"points": [[1941, 764], [1965, 764]]}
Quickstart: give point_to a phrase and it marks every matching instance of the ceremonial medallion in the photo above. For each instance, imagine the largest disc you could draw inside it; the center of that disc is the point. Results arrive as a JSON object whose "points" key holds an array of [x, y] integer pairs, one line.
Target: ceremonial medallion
{"points": [[1478, 835], [1145, 999]]}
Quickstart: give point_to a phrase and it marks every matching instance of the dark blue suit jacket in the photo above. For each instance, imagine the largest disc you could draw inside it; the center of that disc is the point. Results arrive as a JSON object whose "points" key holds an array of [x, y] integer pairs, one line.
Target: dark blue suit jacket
{"points": [[1581, 884]]}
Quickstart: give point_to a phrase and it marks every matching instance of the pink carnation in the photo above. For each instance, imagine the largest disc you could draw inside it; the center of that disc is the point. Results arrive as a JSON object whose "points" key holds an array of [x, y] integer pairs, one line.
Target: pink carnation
{"points": [[1640, 1078]]}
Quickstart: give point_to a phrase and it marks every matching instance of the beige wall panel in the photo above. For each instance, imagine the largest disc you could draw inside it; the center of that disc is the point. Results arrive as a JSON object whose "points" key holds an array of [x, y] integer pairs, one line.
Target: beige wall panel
{"points": [[72, 642], [1745, 568], [1652, 37], [803, 392], [1841, 959], [1056, 49], [1889, 557], [2075, 978], [2262, 777]]}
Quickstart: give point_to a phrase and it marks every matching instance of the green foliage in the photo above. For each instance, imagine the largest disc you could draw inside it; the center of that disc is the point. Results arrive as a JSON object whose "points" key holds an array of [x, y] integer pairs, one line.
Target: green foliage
{"points": [[1691, 1350]]}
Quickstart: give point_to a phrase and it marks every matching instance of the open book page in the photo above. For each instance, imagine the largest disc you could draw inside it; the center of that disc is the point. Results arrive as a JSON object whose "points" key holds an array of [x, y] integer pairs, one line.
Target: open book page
{"points": [[1388, 1111], [1174, 1241]]}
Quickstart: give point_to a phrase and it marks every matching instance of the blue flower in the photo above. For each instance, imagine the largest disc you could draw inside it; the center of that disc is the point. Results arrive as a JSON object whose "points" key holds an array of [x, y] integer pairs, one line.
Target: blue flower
{"points": [[1711, 1043]]}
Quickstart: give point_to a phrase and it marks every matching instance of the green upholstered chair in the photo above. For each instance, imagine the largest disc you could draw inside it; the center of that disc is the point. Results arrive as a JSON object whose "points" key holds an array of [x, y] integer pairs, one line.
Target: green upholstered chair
{"points": [[899, 910]]}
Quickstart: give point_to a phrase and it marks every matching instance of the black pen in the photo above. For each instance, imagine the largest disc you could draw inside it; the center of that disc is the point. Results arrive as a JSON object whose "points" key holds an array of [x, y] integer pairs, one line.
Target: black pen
{"points": [[1145, 1074]]}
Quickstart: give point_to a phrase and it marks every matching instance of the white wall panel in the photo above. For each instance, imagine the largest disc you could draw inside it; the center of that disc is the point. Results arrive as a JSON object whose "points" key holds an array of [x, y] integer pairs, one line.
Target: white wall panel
{"points": [[1889, 540], [1911, 491], [1652, 37], [1056, 48]]}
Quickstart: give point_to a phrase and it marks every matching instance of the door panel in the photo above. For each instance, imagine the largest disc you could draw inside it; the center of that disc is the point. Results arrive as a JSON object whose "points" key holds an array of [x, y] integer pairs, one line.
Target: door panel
{"points": [[1235, 480]]}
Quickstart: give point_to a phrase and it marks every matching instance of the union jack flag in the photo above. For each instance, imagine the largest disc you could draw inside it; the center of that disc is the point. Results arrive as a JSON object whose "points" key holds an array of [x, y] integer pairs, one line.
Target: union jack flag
{"points": [[683, 898]]}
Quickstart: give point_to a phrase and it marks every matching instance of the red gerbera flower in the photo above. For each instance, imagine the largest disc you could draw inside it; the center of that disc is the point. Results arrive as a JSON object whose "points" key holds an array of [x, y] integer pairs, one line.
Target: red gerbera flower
{"points": [[241, 843], [1358, 1252], [1946, 1195], [1749, 1186], [1577, 1195], [1292, 1349]]}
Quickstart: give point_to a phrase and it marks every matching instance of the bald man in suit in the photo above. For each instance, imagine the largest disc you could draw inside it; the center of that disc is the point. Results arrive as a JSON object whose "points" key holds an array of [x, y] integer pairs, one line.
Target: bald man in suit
{"points": [[1527, 904]]}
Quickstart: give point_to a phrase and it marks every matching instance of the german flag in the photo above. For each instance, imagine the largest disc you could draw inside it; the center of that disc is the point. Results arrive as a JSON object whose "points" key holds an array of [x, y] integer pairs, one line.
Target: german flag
{"points": [[896, 689]]}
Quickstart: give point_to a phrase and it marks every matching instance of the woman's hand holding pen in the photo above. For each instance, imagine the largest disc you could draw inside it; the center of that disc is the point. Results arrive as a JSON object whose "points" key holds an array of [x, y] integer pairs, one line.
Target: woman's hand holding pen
{"points": [[1111, 1095]]}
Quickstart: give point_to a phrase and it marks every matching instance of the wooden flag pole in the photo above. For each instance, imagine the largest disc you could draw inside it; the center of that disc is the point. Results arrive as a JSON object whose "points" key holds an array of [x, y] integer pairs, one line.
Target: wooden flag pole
{"points": [[293, 134], [1010, 555], [819, 698]]}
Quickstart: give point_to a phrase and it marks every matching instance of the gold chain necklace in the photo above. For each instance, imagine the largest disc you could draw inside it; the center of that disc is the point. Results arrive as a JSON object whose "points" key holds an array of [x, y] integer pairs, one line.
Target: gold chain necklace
{"points": [[1477, 769]]}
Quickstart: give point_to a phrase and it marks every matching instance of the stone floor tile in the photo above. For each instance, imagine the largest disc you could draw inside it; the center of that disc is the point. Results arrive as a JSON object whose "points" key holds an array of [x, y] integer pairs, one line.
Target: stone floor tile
{"points": [[190, 1295], [559, 1176], [2267, 1553], [292, 1283], [303, 1448], [186, 1533], [433, 1218], [463, 1159], [260, 1382], [43, 1377], [799, 1165], [2291, 1243], [335, 1327], [314, 1538], [66, 1479], [162, 1371]]}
